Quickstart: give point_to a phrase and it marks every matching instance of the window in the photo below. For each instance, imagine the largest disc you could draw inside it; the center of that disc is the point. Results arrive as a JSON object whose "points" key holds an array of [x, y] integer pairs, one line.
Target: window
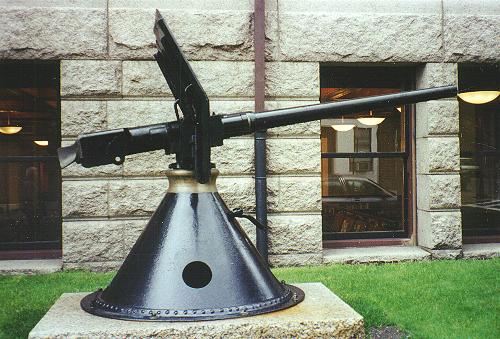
{"points": [[30, 178], [480, 156], [364, 169]]}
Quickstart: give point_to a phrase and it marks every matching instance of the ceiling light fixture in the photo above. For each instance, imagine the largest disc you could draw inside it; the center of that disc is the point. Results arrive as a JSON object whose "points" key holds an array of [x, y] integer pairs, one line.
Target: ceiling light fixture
{"points": [[42, 142], [342, 127], [9, 129], [479, 97], [370, 120]]}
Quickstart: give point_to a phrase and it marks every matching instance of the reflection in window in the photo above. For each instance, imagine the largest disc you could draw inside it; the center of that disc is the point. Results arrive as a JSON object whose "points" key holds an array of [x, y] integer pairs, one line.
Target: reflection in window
{"points": [[364, 190], [480, 157], [30, 181]]}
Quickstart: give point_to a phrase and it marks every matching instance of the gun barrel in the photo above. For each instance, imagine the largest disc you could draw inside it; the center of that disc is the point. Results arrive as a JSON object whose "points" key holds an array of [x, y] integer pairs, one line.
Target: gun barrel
{"points": [[246, 123], [111, 147]]}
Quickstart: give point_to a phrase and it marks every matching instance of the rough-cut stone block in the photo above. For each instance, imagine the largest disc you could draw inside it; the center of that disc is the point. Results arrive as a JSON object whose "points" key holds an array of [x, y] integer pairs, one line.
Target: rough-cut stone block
{"points": [[148, 164], [294, 233], [436, 74], [361, 255], [321, 315], [438, 155], [82, 117], [359, 37], [84, 198], [36, 30], [294, 194], [202, 34], [219, 78], [237, 192], [286, 156], [143, 78], [446, 254], [77, 170], [295, 259], [438, 191], [361, 6], [439, 230], [188, 5], [132, 113], [292, 79], [249, 228], [135, 197], [470, 7], [437, 118], [90, 77], [94, 266], [481, 33], [304, 129], [236, 156], [231, 106], [481, 251], [95, 240]]}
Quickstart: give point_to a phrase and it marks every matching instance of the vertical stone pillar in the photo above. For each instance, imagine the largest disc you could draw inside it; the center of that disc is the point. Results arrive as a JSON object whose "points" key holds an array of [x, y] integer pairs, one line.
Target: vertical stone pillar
{"points": [[294, 168], [438, 164]]}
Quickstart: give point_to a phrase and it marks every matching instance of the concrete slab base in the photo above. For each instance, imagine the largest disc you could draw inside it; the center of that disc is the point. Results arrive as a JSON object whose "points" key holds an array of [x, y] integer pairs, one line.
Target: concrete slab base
{"points": [[321, 315]]}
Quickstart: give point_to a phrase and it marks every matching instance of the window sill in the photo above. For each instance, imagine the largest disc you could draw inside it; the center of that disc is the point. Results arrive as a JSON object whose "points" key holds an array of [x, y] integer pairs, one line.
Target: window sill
{"points": [[376, 254], [14, 267]]}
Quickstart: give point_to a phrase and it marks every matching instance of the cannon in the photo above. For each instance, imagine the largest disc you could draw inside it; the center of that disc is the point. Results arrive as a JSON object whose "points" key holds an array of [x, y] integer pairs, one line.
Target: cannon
{"points": [[193, 261]]}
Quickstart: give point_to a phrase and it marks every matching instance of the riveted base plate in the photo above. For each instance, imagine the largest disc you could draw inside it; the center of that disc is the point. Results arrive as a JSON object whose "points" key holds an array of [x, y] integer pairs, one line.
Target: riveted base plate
{"points": [[93, 303], [321, 314]]}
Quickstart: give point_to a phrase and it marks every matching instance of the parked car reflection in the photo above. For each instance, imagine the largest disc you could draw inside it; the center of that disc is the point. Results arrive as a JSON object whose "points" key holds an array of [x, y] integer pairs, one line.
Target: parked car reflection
{"points": [[357, 204]]}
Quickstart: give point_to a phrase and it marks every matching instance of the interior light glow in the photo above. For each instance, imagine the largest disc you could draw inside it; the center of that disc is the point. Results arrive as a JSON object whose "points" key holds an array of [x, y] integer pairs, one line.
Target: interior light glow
{"points": [[42, 142], [479, 97], [343, 127], [10, 129], [370, 121]]}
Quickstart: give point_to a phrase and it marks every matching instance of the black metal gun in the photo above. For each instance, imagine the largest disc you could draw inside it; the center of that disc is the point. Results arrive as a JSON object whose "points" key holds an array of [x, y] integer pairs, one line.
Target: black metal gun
{"points": [[195, 132], [193, 261]]}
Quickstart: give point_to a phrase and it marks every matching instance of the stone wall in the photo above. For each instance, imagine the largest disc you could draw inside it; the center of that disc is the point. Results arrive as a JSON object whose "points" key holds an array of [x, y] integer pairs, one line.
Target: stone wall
{"points": [[439, 227], [109, 80]]}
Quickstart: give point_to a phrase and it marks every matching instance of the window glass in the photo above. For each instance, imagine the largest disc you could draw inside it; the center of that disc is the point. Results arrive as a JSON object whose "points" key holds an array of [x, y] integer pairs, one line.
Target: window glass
{"points": [[480, 156], [30, 179], [363, 168]]}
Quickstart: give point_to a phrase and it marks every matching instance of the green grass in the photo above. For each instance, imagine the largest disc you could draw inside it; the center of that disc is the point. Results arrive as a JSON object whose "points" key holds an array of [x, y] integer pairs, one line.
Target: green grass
{"points": [[438, 299]]}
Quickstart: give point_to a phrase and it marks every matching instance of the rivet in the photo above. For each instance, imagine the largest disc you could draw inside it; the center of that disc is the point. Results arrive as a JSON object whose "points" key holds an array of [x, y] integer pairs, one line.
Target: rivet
{"points": [[175, 312], [237, 308], [185, 312], [194, 312], [167, 312], [212, 311], [158, 312]]}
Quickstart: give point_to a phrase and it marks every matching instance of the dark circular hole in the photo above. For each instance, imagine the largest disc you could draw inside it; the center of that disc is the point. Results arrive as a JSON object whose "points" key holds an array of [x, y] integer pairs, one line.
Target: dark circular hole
{"points": [[197, 274]]}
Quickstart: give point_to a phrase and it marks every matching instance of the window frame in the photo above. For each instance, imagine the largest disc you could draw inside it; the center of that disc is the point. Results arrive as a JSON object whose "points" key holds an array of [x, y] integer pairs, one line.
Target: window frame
{"points": [[406, 76]]}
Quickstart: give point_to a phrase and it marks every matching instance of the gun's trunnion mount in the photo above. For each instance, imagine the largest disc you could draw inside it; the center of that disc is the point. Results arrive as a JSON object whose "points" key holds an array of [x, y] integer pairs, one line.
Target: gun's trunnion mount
{"points": [[193, 261]]}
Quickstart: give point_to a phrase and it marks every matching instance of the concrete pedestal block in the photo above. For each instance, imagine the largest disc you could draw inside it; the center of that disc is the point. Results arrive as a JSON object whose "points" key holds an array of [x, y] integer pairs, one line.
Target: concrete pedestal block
{"points": [[321, 315]]}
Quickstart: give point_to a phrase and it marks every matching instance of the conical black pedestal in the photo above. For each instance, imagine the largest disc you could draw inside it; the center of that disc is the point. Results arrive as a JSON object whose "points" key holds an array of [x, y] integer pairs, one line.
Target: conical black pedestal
{"points": [[192, 262]]}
